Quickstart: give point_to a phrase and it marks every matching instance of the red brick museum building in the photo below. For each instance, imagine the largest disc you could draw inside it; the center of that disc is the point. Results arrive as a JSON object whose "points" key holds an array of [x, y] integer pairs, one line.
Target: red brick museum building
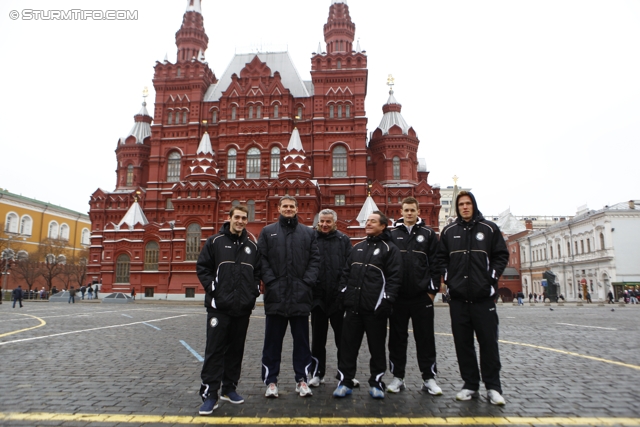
{"points": [[249, 136]]}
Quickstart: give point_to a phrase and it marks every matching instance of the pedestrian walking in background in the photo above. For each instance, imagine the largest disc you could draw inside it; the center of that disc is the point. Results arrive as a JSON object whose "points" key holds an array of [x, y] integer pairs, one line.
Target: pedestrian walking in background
{"points": [[472, 255], [229, 271], [83, 290], [72, 295], [418, 246], [610, 297], [97, 288], [334, 248], [133, 293], [16, 296], [370, 283], [289, 267]]}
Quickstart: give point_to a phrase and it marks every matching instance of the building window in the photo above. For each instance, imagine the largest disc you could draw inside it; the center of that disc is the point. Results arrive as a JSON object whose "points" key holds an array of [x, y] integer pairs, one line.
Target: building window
{"points": [[130, 175], [339, 64], [214, 119], [169, 204], [331, 111], [53, 230], [588, 245], [193, 242], [64, 232], [148, 292], [173, 167], [396, 167], [253, 163], [559, 254], [575, 244], [233, 112], [551, 252], [601, 241], [347, 111], [250, 115], [340, 199], [251, 207], [26, 225], [184, 117], [581, 246], [568, 249], [170, 119], [151, 252], [258, 111], [231, 163], [299, 112], [189, 292], [11, 225], [122, 269], [85, 238], [275, 111], [339, 161], [275, 162], [339, 111]]}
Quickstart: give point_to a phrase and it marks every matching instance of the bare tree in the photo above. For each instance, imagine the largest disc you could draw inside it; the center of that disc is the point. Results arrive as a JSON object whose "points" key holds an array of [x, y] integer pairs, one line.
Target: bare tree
{"points": [[53, 252], [28, 269]]}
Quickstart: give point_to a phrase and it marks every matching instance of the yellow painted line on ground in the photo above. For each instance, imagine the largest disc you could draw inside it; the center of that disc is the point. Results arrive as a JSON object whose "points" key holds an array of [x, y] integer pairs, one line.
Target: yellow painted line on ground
{"points": [[42, 323], [198, 420]]}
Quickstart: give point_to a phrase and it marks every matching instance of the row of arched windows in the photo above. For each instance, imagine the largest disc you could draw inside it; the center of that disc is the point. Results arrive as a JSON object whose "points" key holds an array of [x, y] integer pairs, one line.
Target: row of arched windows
{"points": [[337, 110], [24, 226]]}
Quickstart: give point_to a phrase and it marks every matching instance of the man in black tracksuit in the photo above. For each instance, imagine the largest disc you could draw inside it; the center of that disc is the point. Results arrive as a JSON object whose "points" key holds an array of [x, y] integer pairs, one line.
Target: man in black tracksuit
{"points": [[289, 264], [334, 248], [369, 284], [228, 269], [418, 245], [472, 255]]}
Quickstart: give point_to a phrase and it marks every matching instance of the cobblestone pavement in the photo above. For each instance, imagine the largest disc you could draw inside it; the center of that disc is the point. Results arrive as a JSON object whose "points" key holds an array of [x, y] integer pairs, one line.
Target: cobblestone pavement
{"points": [[96, 364]]}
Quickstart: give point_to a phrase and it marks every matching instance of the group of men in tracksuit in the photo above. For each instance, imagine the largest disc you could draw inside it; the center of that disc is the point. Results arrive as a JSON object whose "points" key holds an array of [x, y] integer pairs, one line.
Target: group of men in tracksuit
{"points": [[388, 278]]}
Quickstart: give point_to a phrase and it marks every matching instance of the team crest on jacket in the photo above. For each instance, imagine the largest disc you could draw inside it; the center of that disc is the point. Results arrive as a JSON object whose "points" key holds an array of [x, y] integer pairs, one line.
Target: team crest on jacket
{"points": [[214, 322], [377, 251], [480, 236], [420, 239], [247, 249]]}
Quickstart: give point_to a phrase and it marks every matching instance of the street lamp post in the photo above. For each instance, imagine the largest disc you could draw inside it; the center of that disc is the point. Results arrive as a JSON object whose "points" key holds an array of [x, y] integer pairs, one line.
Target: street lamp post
{"points": [[8, 255]]}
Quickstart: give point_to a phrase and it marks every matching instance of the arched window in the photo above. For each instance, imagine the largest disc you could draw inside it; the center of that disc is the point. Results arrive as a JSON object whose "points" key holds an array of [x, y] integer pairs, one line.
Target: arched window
{"points": [[53, 230], [339, 161], [275, 162], [129, 175], [151, 252], [173, 167], [214, 116], [233, 112], [185, 114], [86, 237], [231, 163], [251, 207], [11, 223], [25, 225], [64, 232], [193, 242], [588, 245], [250, 113], [601, 241], [122, 268], [339, 111], [275, 111], [258, 111], [331, 111], [170, 119], [253, 163], [347, 111], [339, 64], [299, 112], [22, 255], [396, 167]]}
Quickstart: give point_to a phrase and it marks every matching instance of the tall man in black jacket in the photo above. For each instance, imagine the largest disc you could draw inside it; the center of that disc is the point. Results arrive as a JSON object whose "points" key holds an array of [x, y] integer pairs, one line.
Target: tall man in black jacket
{"points": [[369, 284], [290, 262], [335, 248], [228, 269], [418, 245], [472, 255]]}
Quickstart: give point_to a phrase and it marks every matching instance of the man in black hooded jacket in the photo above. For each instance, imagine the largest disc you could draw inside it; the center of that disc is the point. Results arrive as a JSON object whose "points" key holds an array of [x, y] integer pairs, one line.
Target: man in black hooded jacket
{"points": [[472, 255], [289, 265], [228, 269]]}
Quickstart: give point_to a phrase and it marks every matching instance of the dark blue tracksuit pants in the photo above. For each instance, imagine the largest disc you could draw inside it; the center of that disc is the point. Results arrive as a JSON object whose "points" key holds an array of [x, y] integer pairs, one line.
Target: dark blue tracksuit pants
{"points": [[275, 328]]}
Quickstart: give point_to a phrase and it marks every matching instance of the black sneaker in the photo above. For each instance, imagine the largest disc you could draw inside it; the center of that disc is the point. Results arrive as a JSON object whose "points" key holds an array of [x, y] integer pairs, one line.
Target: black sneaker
{"points": [[209, 405], [232, 397]]}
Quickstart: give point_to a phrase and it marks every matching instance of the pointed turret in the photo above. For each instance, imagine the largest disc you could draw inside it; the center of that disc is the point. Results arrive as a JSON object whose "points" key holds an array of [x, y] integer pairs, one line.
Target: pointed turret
{"points": [[133, 216], [133, 151], [204, 167], [367, 209], [191, 37], [294, 164], [339, 31], [141, 128], [392, 116]]}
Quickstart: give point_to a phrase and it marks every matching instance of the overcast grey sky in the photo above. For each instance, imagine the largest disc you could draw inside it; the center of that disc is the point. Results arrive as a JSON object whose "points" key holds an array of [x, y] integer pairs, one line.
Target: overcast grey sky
{"points": [[534, 104]]}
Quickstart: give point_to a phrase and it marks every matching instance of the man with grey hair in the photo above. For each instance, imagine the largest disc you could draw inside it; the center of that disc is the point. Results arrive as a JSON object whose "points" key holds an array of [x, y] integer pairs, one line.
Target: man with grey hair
{"points": [[326, 308]]}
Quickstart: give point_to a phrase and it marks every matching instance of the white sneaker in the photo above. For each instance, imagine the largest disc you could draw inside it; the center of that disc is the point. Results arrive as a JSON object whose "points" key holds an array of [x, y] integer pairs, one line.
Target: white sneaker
{"points": [[303, 389], [495, 398], [356, 383], [272, 390], [316, 381], [396, 386], [431, 387], [466, 394]]}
